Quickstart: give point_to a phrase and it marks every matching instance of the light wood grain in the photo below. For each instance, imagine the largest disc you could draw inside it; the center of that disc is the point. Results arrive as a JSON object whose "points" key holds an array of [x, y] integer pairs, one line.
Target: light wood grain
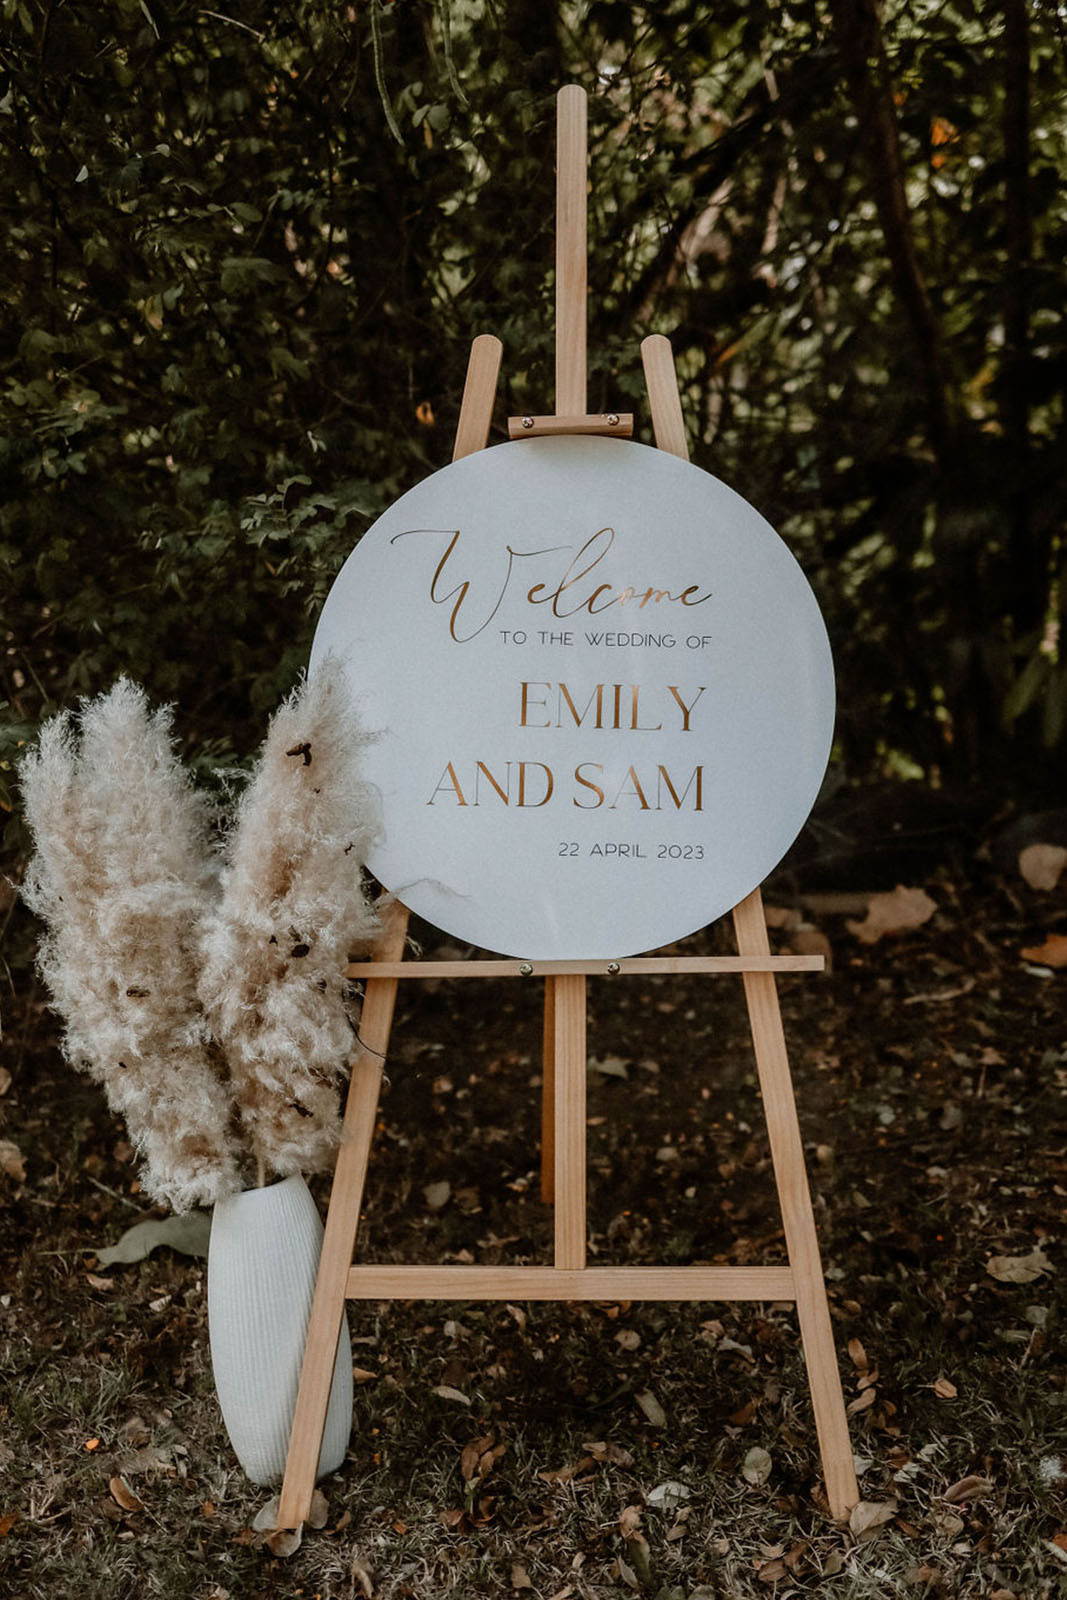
{"points": [[342, 1222], [664, 402], [388, 1282], [479, 396], [548, 1096], [346, 1194], [798, 1220], [533, 427], [629, 966], [569, 1007], [571, 205], [776, 1084]]}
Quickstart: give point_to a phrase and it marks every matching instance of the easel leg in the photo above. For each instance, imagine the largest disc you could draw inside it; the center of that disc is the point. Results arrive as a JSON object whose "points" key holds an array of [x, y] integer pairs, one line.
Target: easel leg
{"points": [[787, 1155], [548, 1096], [570, 1022], [346, 1195], [342, 1221]]}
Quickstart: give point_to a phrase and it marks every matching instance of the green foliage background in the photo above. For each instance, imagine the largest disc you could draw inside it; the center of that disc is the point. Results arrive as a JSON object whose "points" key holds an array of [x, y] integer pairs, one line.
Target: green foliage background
{"points": [[246, 248]]}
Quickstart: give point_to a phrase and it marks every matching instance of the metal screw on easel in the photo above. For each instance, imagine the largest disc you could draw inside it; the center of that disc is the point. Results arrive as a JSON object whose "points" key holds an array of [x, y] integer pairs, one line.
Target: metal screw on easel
{"points": [[526, 969], [613, 419], [613, 969], [527, 422]]}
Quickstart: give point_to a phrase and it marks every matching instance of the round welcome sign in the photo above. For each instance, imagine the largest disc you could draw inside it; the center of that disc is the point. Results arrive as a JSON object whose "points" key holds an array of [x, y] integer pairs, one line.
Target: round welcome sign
{"points": [[602, 690]]}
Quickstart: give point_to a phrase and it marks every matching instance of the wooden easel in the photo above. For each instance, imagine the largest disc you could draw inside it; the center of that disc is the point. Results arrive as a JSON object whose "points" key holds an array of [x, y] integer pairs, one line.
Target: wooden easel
{"points": [[563, 1170]]}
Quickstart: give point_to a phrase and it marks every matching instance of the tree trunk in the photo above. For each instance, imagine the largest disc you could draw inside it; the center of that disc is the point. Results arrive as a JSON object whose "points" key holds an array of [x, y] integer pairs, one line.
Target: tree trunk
{"points": [[858, 30], [1026, 563]]}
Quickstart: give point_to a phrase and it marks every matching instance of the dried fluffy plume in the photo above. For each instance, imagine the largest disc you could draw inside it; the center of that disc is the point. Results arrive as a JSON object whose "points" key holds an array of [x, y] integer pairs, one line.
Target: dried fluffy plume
{"points": [[121, 876], [293, 906]]}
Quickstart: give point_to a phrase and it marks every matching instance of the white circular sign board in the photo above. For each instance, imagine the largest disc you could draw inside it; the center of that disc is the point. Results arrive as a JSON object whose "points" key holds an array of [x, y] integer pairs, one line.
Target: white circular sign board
{"points": [[603, 692]]}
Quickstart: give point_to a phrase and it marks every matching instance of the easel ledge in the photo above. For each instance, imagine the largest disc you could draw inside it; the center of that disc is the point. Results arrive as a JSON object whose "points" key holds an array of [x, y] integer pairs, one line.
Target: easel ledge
{"points": [[630, 966], [564, 1092]]}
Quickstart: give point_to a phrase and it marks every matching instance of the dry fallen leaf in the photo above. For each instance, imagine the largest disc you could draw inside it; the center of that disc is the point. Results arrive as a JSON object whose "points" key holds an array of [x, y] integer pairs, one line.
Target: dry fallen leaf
{"points": [[1053, 953], [869, 1515], [807, 940], [795, 1554], [1019, 1269], [479, 1456], [566, 1474], [629, 1521], [652, 1408], [187, 1233], [446, 1392], [520, 1578], [123, 1495], [771, 1571], [861, 1402], [899, 911], [284, 1542], [858, 1355], [945, 1388], [1042, 864], [668, 1496], [626, 1573], [11, 1161], [437, 1195], [358, 1573], [640, 1555], [606, 1450], [609, 1066], [319, 1510], [266, 1517], [135, 1431], [756, 1467], [970, 1488], [150, 1458]]}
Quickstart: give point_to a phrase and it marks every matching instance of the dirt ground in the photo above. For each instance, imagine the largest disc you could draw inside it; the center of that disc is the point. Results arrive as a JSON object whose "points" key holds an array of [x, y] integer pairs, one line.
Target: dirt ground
{"points": [[592, 1451]]}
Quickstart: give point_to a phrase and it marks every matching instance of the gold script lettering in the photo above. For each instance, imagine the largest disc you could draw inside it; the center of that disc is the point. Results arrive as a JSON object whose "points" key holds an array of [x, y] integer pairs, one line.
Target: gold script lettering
{"points": [[460, 596]]}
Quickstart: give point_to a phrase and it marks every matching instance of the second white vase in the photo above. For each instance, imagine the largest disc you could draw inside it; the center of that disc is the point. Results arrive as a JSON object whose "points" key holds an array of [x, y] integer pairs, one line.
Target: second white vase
{"points": [[262, 1262]]}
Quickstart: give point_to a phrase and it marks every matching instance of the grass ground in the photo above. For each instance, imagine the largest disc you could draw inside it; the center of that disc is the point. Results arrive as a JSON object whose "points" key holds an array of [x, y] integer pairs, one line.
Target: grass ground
{"points": [[597, 1451]]}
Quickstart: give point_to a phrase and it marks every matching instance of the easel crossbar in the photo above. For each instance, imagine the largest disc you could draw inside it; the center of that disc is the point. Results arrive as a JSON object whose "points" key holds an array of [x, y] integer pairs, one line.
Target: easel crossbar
{"points": [[386, 1282], [637, 966], [619, 423]]}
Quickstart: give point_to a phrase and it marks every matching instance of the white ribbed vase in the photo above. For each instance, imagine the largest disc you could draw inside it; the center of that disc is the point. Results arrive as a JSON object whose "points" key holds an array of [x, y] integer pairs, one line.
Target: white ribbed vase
{"points": [[262, 1261]]}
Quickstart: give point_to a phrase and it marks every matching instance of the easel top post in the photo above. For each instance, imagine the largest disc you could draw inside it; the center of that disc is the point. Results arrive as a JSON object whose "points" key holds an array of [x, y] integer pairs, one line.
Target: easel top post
{"points": [[571, 246]]}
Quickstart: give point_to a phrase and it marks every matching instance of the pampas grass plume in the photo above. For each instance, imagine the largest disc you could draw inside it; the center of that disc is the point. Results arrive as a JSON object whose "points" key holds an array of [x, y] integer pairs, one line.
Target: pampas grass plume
{"points": [[292, 908], [122, 877]]}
